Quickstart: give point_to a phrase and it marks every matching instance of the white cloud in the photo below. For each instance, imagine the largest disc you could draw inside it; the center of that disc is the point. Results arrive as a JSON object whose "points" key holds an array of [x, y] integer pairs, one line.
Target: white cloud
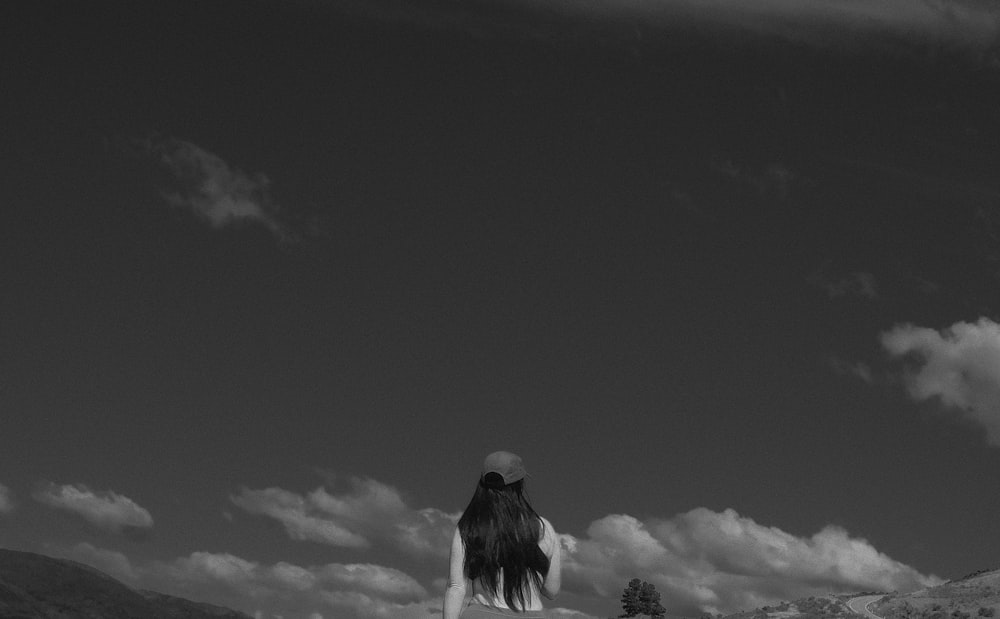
{"points": [[967, 25], [970, 26], [302, 520], [369, 510], [960, 365], [280, 589], [857, 284], [374, 580], [106, 510], [110, 562], [700, 561], [6, 500], [361, 605], [706, 561], [216, 567], [859, 369], [220, 194], [775, 179]]}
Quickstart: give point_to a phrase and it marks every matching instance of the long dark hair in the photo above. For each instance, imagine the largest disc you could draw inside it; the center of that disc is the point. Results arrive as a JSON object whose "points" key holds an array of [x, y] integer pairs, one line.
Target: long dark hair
{"points": [[500, 531]]}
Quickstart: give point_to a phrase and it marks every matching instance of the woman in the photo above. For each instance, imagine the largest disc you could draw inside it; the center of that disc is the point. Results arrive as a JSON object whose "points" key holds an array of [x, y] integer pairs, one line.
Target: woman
{"points": [[503, 548]]}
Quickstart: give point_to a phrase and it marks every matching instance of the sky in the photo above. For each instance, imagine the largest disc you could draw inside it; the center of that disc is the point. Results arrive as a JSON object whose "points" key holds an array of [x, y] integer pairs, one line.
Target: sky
{"points": [[277, 276]]}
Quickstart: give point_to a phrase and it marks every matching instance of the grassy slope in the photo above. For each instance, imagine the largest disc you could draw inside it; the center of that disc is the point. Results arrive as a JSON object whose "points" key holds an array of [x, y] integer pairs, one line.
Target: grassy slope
{"points": [[973, 597], [34, 586], [977, 596], [827, 606]]}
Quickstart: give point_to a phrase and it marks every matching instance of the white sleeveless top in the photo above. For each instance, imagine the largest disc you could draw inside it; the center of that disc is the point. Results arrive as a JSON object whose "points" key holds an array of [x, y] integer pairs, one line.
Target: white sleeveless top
{"points": [[532, 597]]}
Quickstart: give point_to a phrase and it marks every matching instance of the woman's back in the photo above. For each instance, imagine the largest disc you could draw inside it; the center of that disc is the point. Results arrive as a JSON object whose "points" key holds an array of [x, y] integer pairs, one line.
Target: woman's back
{"points": [[547, 546], [508, 553]]}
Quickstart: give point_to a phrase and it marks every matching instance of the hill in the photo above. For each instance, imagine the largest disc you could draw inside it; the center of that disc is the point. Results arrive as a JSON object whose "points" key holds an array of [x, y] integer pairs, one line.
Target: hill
{"points": [[34, 586], [826, 606], [975, 596]]}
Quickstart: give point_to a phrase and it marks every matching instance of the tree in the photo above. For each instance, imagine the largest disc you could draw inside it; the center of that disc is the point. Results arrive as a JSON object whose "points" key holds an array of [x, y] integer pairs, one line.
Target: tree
{"points": [[630, 598], [641, 598]]}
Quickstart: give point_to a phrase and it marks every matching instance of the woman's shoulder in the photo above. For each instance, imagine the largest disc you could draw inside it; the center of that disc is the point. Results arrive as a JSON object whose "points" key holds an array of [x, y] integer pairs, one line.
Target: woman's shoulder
{"points": [[546, 525], [547, 538]]}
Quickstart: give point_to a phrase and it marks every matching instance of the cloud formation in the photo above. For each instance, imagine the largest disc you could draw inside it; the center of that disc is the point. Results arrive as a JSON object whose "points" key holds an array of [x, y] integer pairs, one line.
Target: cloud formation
{"points": [[856, 284], [773, 180], [110, 562], [218, 193], [6, 500], [707, 561], [859, 284], [107, 510], [301, 518], [279, 589], [859, 369], [895, 26], [700, 561], [373, 581], [963, 24], [369, 510], [960, 365]]}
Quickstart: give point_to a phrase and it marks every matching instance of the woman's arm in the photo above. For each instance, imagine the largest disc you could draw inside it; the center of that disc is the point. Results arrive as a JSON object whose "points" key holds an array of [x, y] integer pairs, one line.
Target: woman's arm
{"points": [[454, 595], [551, 547]]}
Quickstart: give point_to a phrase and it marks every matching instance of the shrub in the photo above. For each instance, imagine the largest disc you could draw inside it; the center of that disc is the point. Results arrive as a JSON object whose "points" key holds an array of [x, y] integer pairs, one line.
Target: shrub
{"points": [[986, 612]]}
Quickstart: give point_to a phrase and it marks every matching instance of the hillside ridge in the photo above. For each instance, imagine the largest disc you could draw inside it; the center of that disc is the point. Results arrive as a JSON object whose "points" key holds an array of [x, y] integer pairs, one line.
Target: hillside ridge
{"points": [[36, 586], [973, 596]]}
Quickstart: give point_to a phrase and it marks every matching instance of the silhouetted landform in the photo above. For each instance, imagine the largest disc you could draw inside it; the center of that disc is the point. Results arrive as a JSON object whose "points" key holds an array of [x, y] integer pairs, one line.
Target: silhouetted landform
{"points": [[971, 597], [806, 608], [974, 596], [973, 575], [34, 586]]}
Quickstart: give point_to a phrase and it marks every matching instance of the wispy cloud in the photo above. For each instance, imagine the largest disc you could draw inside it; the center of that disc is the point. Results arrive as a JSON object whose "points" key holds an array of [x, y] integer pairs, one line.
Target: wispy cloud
{"points": [[301, 518], [960, 365], [110, 562], [858, 369], [772, 180], [707, 561], [106, 510], [962, 24], [894, 26], [856, 284], [220, 194], [375, 581], [368, 510], [278, 589], [6, 500], [700, 561]]}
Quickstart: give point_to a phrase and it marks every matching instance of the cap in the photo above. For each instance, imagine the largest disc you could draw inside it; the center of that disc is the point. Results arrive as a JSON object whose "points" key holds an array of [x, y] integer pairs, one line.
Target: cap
{"points": [[505, 464]]}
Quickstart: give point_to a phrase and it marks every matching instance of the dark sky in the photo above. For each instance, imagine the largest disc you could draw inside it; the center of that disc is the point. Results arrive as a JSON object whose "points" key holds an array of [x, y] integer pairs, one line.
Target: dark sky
{"points": [[277, 276]]}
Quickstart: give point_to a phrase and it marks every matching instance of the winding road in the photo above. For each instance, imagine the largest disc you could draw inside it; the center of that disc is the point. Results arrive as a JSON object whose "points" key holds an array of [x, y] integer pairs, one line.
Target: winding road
{"points": [[860, 605]]}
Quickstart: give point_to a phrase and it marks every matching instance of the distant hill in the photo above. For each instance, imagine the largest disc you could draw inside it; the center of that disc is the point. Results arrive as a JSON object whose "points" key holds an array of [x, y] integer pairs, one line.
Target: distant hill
{"points": [[975, 596], [820, 607], [34, 586]]}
